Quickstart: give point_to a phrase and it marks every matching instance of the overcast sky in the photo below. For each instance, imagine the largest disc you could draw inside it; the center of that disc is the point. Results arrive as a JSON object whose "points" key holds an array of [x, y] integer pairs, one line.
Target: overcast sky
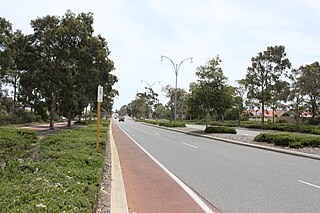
{"points": [[140, 31]]}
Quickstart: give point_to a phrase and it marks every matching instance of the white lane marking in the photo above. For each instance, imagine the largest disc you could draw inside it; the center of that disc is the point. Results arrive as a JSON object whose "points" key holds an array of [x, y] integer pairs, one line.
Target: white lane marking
{"points": [[186, 188], [310, 184], [244, 134], [190, 145], [157, 133]]}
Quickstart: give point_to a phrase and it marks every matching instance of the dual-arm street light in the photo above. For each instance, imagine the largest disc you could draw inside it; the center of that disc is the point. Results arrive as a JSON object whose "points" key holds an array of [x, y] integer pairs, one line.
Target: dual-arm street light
{"points": [[176, 70]]}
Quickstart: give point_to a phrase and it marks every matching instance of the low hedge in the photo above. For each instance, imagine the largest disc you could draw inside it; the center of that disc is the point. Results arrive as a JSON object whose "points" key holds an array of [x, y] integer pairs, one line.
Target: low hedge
{"points": [[220, 129], [285, 127], [291, 140], [172, 124], [164, 123]]}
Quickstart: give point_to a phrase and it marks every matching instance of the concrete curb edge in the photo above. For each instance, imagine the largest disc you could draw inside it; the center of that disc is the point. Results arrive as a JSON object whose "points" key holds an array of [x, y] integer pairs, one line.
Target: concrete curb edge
{"points": [[118, 195]]}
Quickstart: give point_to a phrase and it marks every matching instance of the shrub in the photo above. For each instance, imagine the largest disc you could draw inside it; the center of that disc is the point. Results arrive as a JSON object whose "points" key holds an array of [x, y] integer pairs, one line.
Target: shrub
{"points": [[220, 129], [281, 121], [292, 140], [172, 124]]}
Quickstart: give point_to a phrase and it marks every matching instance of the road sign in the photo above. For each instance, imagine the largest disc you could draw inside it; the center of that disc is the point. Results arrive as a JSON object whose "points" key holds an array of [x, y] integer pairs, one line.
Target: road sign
{"points": [[100, 93]]}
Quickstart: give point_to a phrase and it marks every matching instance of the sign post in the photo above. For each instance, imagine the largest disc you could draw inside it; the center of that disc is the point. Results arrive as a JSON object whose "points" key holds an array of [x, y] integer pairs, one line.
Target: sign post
{"points": [[99, 100]]}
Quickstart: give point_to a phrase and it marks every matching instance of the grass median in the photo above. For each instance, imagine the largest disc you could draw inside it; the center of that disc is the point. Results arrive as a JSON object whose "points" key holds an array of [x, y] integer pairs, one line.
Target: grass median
{"points": [[60, 173]]}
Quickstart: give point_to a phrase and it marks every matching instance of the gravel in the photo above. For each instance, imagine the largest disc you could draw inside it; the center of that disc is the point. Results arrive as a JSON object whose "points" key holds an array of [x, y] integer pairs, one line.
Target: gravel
{"points": [[104, 198]]}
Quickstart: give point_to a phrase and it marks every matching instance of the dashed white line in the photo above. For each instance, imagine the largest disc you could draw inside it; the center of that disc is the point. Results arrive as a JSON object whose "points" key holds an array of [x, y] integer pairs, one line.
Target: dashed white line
{"points": [[190, 145], [310, 184]]}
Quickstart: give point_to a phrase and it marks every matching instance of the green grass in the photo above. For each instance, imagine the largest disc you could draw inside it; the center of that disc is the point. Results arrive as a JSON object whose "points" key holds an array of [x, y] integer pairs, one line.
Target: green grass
{"points": [[66, 176]]}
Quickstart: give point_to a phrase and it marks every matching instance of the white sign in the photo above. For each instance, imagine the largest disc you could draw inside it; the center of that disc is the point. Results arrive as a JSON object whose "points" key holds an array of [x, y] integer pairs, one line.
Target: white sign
{"points": [[100, 93]]}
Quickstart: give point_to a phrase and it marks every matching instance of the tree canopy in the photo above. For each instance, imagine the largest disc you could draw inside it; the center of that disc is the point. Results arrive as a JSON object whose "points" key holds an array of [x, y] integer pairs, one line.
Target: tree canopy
{"points": [[60, 65]]}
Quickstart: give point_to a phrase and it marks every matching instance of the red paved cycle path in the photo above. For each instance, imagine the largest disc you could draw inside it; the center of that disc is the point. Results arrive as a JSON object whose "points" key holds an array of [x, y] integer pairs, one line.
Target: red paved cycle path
{"points": [[148, 187]]}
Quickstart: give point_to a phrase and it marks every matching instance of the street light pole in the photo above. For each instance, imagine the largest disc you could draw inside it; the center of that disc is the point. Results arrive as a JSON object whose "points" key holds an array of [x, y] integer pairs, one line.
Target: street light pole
{"points": [[176, 70]]}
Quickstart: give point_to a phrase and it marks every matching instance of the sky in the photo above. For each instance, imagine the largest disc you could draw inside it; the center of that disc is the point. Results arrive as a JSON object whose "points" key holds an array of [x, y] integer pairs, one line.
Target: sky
{"points": [[138, 32]]}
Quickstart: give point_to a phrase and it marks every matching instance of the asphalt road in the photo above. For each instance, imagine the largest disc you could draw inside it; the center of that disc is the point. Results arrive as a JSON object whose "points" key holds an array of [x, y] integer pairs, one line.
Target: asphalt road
{"points": [[234, 178]]}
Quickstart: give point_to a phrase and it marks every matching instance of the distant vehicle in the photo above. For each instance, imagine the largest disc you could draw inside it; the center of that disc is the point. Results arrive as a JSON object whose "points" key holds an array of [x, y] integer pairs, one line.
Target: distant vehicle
{"points": [[121, 118]]}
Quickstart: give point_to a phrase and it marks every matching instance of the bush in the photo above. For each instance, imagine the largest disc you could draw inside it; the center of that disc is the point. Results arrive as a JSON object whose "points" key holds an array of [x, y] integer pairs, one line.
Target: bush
{"points": [[20, 118], [281, 121], [220, 129], [172, 124], [291, 140]]}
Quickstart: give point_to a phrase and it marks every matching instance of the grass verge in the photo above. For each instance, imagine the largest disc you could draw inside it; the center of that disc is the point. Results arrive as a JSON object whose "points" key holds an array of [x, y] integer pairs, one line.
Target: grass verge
{"points": [[60, 173]]}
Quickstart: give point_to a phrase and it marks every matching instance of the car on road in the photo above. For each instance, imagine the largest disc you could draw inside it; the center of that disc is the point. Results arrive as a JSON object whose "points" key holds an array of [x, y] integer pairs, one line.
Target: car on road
{"points": [[121, 118]]}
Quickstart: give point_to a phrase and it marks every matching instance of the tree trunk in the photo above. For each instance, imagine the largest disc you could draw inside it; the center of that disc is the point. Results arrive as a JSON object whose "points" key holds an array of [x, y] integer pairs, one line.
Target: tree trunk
{"points": [[85, 117], [14, 95], [273, 110], [52, 112], [262, 115], [69, 122], [207, 119]]}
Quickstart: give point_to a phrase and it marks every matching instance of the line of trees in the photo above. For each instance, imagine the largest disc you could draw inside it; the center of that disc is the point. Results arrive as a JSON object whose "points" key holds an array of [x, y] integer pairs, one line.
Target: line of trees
{"points": [[270, 83], [57, 68]]}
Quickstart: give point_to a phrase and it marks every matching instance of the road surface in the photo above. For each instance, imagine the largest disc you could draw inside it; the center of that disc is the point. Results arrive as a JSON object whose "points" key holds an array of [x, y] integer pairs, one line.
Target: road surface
{"points": [[234, 178]]}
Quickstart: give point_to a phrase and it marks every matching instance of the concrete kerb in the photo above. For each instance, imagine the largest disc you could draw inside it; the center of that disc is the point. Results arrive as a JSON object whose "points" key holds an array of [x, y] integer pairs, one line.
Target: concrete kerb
{"points": [[118, 195], [290, 152]]}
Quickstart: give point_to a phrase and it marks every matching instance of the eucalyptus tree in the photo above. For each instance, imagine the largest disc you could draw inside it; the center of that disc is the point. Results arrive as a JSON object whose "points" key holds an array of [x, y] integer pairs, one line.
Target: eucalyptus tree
{"points": [[211, 90], [138, 106], [161, 111], [279, 94], [71, 62], [239, 98], [267, 68], [310, 85], [86, 64], [49, 70], [5, 52], [194, 107], [6, 35], [18, 60], [170, 93], [296, 95]]}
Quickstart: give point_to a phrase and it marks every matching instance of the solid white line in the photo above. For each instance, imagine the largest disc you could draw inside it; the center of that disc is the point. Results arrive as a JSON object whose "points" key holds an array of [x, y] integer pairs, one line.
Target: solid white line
{"points": [[190, 145], [192, 194], [310, 184]]}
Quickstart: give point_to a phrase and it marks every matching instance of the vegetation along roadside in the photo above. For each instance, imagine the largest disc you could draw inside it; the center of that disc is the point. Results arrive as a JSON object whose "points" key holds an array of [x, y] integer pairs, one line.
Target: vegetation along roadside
{"points": [[61, 172]]}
